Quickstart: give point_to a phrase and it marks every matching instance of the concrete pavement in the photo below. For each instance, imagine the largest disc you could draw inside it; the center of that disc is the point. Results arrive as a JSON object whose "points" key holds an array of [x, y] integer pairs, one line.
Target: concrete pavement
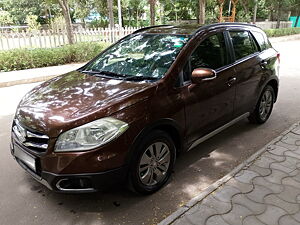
{"points": [[11, 78], [265, 189]]}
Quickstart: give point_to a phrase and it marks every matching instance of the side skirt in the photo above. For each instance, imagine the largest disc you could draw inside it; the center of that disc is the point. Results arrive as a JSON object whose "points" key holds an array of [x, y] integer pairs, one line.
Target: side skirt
{"points": [[213, 133]]}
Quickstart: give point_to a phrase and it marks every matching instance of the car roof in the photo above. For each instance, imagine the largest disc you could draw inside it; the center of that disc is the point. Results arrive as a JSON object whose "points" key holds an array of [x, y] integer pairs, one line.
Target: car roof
{"points": [[189, 29]]}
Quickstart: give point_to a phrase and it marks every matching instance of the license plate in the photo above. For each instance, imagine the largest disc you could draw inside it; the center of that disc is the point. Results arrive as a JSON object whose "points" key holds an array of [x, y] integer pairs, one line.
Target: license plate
{"points": [[25, 157]]}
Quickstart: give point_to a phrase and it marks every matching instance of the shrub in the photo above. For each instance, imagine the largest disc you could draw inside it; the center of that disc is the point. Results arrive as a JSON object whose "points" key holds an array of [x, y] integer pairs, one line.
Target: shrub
{"points": [[282, 31], [18, 59]]}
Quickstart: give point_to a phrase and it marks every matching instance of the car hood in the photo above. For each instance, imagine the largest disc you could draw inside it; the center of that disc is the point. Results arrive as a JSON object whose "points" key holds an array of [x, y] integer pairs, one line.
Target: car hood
{"points": [[75, 98]]}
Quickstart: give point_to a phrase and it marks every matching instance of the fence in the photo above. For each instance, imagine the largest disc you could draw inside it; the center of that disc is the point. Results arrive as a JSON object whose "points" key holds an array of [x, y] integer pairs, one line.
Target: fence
{"points": [[51, 39]]}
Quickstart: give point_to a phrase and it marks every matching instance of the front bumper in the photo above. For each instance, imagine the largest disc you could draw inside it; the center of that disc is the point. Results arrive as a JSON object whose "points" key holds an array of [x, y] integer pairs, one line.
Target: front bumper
{"points": [[75, 183]]}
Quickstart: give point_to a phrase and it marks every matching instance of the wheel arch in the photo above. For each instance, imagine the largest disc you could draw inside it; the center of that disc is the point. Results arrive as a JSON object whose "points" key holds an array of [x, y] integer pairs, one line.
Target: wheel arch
{"points": [[274, 84], [167, 125]]}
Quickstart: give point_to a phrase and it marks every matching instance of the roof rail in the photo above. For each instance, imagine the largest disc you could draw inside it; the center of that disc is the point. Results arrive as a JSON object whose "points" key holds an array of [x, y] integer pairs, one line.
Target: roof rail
{"points": [[146, 28], [222, 24]]}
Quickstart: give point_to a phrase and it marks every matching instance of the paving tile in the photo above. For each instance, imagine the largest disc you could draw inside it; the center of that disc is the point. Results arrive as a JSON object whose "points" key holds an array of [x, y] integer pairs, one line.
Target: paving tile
{"points": [[276, 176], [225, 193], [183, 221], [216, 220], [291, 208], [281, 167], [246, 176], [296, 130], [271, 215], [288, 220], [242, 187], [295, 175], [256, 208], [220, 206], [288, 139], [291, 182], [292, 135], [252, 220], [264, 162], [290, 162], [198, 214], [290, 147], [296, 216], [277, 150], [293, 154], [275, 188], [237, 214], [260, 170], [258, 194], [289, 194], [278, 158]]}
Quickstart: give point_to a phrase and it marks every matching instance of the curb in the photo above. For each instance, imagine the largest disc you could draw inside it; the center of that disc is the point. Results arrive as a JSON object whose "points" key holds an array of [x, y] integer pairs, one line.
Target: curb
{"points": [[211, 188], [26, 81]]}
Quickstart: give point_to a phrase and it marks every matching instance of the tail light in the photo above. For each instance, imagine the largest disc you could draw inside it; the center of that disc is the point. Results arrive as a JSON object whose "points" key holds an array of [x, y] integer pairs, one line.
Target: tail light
{"points": [[278, 57]]}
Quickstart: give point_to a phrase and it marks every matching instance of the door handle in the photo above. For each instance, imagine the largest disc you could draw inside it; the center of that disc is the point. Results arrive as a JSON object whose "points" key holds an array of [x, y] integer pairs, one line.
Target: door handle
{"points": [[263, 64], [231, 81]]}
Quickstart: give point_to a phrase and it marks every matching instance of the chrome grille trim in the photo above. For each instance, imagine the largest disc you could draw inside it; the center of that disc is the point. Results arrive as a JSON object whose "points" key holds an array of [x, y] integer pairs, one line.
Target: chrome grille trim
{"points": [[35, 145], [33, 135], [35, 141]]}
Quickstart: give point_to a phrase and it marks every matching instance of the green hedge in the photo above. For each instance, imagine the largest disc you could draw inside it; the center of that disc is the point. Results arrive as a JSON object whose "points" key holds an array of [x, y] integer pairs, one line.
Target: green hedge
{"points": [[18, 59], [282, 31]]}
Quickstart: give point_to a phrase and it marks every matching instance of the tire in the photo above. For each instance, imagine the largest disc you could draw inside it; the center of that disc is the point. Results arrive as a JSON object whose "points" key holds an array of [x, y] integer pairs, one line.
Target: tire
{"points": [[153, 163], [264, 106]]}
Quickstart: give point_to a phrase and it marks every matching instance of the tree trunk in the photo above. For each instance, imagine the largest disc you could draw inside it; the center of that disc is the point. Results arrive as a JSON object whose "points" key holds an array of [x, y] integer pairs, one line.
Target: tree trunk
{"points": [[255, 11], [278, 14], [120, 14], [152, 12], [66, 13], [201, 15], [110, 13]]}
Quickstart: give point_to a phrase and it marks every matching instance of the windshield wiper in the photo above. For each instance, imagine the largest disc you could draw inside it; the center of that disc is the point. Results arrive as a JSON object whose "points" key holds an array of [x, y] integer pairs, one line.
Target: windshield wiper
{"points": [[140, 78], [107, 73]]}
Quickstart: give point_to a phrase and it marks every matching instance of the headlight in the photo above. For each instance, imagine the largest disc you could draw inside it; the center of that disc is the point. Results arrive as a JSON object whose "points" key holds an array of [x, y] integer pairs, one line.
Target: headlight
{"points": [[90, 135]]}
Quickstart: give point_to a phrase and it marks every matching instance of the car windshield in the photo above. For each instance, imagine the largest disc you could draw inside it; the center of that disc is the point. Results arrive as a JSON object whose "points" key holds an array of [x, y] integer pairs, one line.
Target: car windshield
{"points": [[139, 56]]}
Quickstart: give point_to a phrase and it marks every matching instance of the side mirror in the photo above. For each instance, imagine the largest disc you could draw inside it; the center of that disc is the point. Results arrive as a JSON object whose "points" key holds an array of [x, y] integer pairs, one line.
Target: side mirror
{"points": [[201, 74]]}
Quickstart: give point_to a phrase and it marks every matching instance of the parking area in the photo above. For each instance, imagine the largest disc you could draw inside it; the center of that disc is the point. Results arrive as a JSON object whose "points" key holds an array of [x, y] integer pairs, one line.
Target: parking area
{"points": [[24, 201]]}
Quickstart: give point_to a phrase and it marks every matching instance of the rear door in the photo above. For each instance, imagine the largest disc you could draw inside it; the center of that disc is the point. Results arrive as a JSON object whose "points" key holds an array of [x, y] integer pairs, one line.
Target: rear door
{"points": [[248, 70]]}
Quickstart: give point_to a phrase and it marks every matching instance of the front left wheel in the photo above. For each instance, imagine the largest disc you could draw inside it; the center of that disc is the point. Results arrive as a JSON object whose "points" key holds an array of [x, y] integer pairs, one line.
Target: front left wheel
{"points": [[153, 163]]}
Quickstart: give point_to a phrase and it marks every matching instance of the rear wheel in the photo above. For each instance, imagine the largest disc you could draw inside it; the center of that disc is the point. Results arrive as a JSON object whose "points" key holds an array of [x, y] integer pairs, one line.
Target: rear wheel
{"points": [[264, 106], [153, 163]]}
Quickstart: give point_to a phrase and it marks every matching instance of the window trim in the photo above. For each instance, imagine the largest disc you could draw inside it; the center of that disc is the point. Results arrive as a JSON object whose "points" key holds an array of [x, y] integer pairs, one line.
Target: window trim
{"points": [[245, 58]]}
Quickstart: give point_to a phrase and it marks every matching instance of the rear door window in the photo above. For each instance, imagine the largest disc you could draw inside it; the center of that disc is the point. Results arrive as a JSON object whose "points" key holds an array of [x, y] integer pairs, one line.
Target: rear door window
{"points": [[262, 40], [243, 44]]}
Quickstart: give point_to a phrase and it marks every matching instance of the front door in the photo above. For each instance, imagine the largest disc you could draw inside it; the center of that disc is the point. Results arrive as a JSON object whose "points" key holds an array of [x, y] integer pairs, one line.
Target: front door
{"points": [[210, 104]]}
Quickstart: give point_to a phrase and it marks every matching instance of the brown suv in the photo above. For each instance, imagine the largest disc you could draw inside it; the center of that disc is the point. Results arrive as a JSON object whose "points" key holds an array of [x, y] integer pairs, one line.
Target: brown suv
{"points": [[126, 114]]}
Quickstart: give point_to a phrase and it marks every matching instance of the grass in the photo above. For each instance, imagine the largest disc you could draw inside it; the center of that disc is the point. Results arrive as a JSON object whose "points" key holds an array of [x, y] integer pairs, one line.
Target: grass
{"points": [[282, 31], [19, 59]]}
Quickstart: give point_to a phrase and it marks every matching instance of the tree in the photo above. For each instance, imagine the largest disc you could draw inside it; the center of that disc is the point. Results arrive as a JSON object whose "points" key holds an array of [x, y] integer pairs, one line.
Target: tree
{"points": [[201, 16], [5, 18], [66, 13], [152, 12], [110, 13]]}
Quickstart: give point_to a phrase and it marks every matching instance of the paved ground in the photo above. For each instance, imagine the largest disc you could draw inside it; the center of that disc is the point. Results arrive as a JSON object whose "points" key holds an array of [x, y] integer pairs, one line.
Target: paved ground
{"points": [[265, 191], [35, 75], [24, 201]]}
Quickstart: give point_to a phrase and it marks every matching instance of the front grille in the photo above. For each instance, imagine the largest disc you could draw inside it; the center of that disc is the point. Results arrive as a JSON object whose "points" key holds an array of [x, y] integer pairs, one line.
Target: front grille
{"points": [[33, 140]]}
